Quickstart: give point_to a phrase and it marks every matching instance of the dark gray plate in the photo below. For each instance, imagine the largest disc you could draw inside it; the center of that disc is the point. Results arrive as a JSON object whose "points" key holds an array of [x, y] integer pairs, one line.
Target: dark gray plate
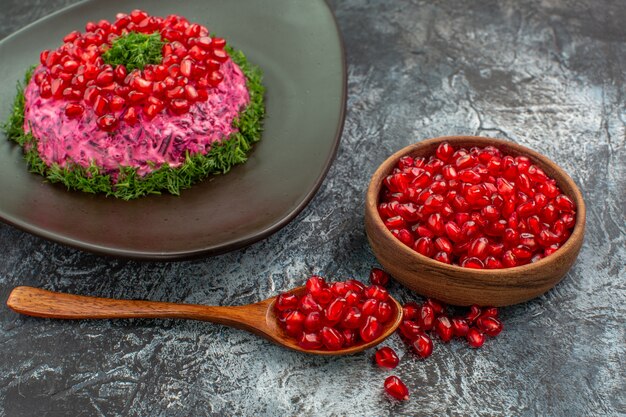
{"points": [[298, 46]]}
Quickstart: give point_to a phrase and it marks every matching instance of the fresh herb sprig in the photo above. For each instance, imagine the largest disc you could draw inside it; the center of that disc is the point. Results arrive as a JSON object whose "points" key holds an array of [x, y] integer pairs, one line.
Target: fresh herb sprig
{"points": [[129, 185], [135, 50]]}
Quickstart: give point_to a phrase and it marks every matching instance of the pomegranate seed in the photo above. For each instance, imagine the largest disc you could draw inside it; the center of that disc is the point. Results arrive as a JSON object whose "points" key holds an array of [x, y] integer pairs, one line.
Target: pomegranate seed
{"points": [[314, 284], [117, 103], [426, 317], [442, 257], [108, 122], [384, 313], [215, 78], [310, 341], [294, 321], [371, 329], [335, 310], [379, 277], [286, 301], [386, 357], [355, 286], [130, 116], [489, 312], [105, 78], [423, 345], [473, 263], [352, 318], [444, 329], [460, 327], [349, 337], [438, 308], [308, 304], [424, 246], [444, 151], [475, 338], [332, 338], [492, 263], [410, 329], [473, 314], [396, 388], [352, 298], [410, 310], [73, 110], [370, 307], [564, 203], [491, 326], [376, 292]]}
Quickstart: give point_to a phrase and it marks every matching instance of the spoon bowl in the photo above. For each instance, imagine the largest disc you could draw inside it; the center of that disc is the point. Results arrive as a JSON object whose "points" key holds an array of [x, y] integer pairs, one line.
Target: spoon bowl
{"points": [[258, 318]]}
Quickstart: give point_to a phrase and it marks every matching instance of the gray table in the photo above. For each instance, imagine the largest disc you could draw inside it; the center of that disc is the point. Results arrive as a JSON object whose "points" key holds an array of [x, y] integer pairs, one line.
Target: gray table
{"points": [[547, 74]]}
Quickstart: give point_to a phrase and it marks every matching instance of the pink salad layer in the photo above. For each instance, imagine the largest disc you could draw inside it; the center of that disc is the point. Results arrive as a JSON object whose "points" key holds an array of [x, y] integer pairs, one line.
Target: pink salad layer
{"points": [[162, 140]]}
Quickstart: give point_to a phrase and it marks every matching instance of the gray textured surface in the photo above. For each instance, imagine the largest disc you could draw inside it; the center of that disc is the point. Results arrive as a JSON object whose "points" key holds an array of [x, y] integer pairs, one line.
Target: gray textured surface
{"points": [[548, 74]]}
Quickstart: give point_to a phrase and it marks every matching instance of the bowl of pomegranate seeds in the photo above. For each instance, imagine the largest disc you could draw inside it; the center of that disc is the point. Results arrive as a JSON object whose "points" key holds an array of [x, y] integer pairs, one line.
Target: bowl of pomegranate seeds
{"points": [[474, 220]]}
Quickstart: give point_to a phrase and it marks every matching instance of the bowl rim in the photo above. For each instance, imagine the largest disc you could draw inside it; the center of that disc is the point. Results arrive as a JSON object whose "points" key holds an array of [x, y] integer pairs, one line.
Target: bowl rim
{"points": [[572, 244]]}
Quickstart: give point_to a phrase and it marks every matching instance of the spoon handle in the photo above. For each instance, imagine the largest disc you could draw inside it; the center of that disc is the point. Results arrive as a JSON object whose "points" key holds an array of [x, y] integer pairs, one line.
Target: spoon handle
{"points": [[43, 303]]}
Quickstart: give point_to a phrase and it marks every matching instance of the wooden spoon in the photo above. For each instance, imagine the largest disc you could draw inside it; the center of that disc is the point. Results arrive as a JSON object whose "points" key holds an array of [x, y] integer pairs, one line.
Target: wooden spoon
{"points": [[258, 318]]}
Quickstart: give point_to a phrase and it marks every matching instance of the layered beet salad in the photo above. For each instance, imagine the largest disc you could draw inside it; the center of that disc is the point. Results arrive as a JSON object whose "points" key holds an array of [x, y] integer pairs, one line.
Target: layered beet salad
{"points": [[138, 106]]}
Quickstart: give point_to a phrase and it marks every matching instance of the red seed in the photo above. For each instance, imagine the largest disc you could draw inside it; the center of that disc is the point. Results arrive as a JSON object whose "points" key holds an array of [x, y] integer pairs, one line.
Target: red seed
{"points": [[379, 277], [332, 338], [370, 307], [308, 304], [444, 151], [73, 110], [491, 326], [335, 310], [410, 329], [384, 313], [426, 317], [424, 245], [371, 329], [442, 257], [473, 313], [473, 263], [460, 327], [310, 341], [444, 329], [108, 122], [313, 322], [349, 337], [396, 388], [286, 301], [475, 338], [130, 116], [410, 310], [376, 292], [386, 357], [352, 318], [423, 345], [314, 284]]}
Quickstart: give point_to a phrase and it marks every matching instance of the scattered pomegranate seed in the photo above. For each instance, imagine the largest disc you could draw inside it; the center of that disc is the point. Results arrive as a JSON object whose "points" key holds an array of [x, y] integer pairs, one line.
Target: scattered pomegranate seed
{"points": [[475, 338], [396, 388], [478, 209], [386, 357], [423, 345], [459, 327], [491, 326], [444, 329], [379, 277]]}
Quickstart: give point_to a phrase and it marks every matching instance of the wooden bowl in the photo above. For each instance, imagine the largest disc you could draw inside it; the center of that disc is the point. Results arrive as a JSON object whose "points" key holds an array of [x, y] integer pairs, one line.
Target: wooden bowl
{"points": [[463, 286]]}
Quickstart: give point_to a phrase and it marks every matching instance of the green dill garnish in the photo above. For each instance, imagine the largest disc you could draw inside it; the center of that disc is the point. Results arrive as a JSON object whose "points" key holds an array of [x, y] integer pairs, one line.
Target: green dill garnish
{"points": [[135, 50], [129, 185]]}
